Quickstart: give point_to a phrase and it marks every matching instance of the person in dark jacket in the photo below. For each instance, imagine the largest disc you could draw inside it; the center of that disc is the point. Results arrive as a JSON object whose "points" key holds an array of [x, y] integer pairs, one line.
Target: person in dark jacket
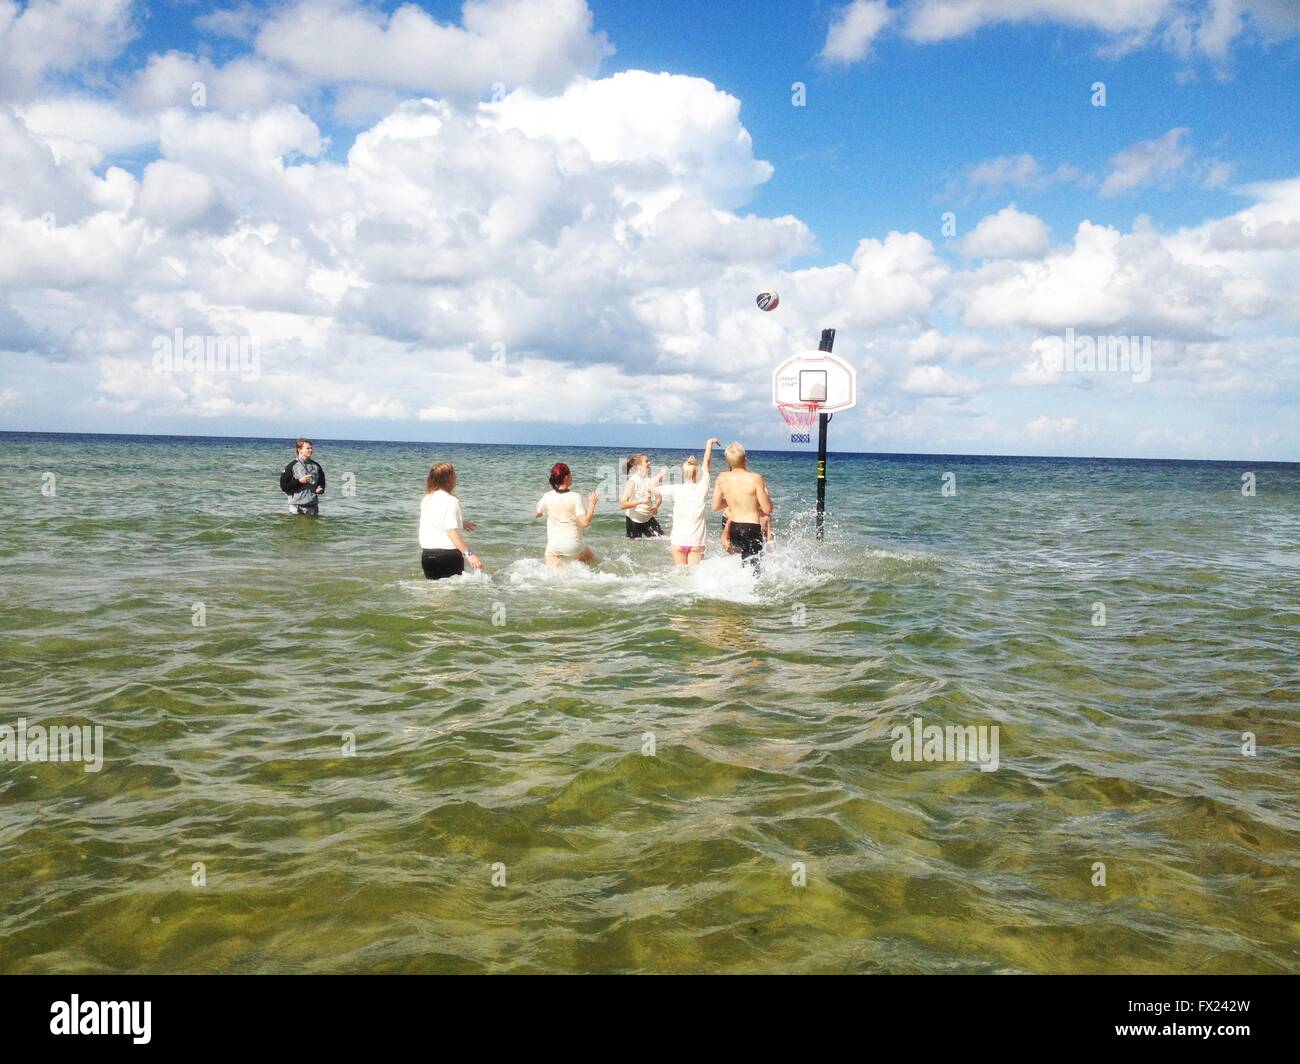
{"points": [[303, 480]]}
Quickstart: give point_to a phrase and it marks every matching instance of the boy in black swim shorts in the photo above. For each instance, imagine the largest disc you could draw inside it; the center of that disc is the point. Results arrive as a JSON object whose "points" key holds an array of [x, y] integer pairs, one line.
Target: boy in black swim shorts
{"points": [[746, 538], [738, 544], [743, 494]]}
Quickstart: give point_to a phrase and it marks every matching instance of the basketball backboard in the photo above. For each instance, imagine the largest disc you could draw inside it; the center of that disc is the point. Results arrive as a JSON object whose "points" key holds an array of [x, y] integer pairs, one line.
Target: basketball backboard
{"points": [[815, 377]]}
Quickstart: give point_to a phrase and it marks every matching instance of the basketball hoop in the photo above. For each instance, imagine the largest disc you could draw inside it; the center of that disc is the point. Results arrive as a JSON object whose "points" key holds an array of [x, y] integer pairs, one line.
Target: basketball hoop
{"points": [[800, 417], [808, 384]]}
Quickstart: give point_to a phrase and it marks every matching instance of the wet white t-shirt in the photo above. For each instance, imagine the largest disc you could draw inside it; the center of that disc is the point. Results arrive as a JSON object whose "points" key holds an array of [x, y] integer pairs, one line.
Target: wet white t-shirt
{"points": [[639, 492], [563, 533], [439, 513], [690, 512]]}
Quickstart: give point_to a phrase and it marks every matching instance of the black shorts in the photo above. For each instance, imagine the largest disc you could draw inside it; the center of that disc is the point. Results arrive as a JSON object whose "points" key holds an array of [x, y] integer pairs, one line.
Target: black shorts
{"points": [[748, 539], [311, 509], [643, 529], [440, 564]]}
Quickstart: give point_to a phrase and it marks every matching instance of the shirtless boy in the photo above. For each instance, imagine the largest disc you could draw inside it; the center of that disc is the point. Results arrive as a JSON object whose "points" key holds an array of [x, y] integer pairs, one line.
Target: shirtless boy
{"points": [[743, 495]]}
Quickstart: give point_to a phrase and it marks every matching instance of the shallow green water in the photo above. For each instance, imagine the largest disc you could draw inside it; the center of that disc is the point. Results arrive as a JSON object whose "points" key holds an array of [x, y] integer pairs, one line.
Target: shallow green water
{"points": [[503, 719]]}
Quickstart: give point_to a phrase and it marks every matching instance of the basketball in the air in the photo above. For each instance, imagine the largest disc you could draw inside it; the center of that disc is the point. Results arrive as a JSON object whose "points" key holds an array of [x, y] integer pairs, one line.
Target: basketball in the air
{"points": [[768, 300]]}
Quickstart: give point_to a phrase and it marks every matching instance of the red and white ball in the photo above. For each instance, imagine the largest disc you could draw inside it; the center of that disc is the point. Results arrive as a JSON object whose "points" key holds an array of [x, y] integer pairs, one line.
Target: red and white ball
{"points": [[768, 300]]}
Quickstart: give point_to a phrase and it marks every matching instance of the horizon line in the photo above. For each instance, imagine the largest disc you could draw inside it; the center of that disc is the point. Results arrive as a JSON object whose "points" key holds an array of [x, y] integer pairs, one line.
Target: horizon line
{"points": [[613, 447]]}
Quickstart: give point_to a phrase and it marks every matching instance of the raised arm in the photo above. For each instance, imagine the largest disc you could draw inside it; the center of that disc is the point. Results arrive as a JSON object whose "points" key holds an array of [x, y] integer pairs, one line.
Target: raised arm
{"points": [[708, 451]]}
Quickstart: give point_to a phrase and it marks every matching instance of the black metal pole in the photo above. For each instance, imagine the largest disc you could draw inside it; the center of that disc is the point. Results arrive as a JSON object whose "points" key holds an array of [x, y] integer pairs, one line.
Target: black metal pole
{"points": [[821, 474], [828, 341]]}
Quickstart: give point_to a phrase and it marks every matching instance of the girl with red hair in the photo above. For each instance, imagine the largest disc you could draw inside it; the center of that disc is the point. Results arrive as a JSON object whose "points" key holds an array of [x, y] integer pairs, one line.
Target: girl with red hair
{"points": [[566, 519]]}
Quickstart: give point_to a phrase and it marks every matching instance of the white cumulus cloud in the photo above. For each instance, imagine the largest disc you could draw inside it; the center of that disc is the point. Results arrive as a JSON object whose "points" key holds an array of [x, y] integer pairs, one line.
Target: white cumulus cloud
{"points": [[543, 43], [1052, 428], [43, 37], [1009, 234], [853, 30], [935, 380], [1145, 162]]}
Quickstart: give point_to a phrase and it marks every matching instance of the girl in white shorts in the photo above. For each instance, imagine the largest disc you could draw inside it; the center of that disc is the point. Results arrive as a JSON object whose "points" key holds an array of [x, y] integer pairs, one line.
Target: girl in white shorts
{"points": [[566, 519]]}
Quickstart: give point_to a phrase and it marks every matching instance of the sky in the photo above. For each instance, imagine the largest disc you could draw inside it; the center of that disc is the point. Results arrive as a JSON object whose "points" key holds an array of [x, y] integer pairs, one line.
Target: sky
{"points": [[1038, 226]]}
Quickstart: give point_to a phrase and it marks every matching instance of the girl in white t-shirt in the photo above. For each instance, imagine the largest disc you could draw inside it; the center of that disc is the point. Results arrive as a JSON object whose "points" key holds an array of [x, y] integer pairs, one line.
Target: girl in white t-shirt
{"points": [[690, 509], [641, 499], [443, 550], [566, 519]]}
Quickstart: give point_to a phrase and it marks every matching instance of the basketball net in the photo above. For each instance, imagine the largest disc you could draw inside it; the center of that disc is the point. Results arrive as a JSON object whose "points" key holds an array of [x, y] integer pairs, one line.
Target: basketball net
{"points": [[800, 417]]}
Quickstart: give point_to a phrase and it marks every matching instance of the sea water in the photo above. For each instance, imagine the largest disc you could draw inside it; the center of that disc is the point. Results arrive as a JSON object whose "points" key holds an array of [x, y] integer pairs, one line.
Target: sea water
{"points": [[315, 760]]}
